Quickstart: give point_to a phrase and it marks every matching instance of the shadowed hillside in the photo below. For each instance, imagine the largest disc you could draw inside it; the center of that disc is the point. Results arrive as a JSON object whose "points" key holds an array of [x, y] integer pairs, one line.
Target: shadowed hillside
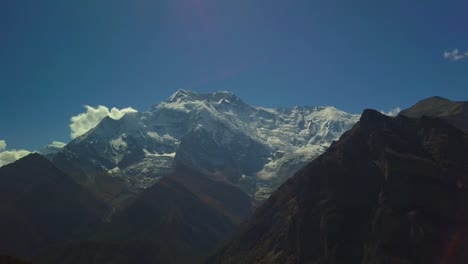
{"points": [[41, 206], [178, 220]]}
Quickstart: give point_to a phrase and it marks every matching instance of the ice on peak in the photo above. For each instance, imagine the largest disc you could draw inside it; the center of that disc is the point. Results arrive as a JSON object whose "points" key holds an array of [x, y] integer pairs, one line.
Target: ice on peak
{"points": [[225, 92], [182, 94]]}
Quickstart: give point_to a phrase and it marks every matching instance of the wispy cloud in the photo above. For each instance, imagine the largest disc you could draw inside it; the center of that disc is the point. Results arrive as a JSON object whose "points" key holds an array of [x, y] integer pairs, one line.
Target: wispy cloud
{"points": [[392, 112], [9, 156], [455, 55], [83, 122]]}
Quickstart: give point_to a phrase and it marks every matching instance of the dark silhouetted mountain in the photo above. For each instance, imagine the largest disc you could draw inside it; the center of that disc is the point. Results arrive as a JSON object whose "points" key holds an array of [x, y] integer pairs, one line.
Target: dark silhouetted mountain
{"points": [[455, 112], [391, 190], [41, 206], [180, 219]]}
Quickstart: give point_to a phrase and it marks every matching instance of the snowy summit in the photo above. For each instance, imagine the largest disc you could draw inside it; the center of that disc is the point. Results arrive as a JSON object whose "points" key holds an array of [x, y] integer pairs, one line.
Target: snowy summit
{"points": [[256, 147]]}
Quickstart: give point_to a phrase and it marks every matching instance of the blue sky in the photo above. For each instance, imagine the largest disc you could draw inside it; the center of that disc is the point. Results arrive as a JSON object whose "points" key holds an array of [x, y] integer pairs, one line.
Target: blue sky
{"points": [[57, 56]]}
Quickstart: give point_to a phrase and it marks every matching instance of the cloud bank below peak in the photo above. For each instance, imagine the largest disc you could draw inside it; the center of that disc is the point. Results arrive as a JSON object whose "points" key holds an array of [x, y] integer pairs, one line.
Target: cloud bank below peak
{"points": [[9, 156], [83, 122]]}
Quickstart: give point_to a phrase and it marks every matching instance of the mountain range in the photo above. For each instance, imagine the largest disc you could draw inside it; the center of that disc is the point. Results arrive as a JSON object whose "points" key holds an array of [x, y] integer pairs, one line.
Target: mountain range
{"points": [[255, 148], [178, 178], [199, 172]]}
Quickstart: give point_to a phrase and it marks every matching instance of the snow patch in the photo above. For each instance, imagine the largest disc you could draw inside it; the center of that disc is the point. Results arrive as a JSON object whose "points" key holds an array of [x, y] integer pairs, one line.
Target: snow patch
{"points": [[119, 143], [114, 170], [149, 154]]}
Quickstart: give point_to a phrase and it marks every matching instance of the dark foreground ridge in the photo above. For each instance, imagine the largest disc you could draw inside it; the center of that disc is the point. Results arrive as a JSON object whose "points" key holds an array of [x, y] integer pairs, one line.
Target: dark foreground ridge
{"points": [[180, 219], [47, 216], [391, 190], [41, 206]]}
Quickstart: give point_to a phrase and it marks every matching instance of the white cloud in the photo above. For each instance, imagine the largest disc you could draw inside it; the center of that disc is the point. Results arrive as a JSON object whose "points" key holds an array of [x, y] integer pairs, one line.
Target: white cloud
{"points": [[455, 55], [392, 112], [83, 122], [9, 156]]}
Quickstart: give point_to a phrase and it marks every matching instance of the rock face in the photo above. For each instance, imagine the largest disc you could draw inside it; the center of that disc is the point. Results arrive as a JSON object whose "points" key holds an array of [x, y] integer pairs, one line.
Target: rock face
{"points": [[41, 206], [180, 219], [256, 148], [391, 190]]}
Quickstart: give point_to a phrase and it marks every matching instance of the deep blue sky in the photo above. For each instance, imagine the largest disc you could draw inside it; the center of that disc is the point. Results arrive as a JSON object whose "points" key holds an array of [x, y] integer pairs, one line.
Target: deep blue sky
{"points": [[57, 56]]}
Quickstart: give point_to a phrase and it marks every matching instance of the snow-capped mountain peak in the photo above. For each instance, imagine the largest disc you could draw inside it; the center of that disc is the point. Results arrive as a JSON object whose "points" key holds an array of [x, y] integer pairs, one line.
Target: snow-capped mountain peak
{"points": [[188, 97], [215, 132], [181, 94]]}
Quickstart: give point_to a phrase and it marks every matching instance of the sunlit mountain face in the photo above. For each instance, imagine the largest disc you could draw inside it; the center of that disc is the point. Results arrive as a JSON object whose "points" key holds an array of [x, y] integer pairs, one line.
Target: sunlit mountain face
{"points": [[255, 148]]}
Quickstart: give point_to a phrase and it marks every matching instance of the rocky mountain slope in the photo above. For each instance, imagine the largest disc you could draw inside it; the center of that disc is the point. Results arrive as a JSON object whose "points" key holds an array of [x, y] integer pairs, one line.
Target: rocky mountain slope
{"points": [[391, 190], [254, 147]]}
